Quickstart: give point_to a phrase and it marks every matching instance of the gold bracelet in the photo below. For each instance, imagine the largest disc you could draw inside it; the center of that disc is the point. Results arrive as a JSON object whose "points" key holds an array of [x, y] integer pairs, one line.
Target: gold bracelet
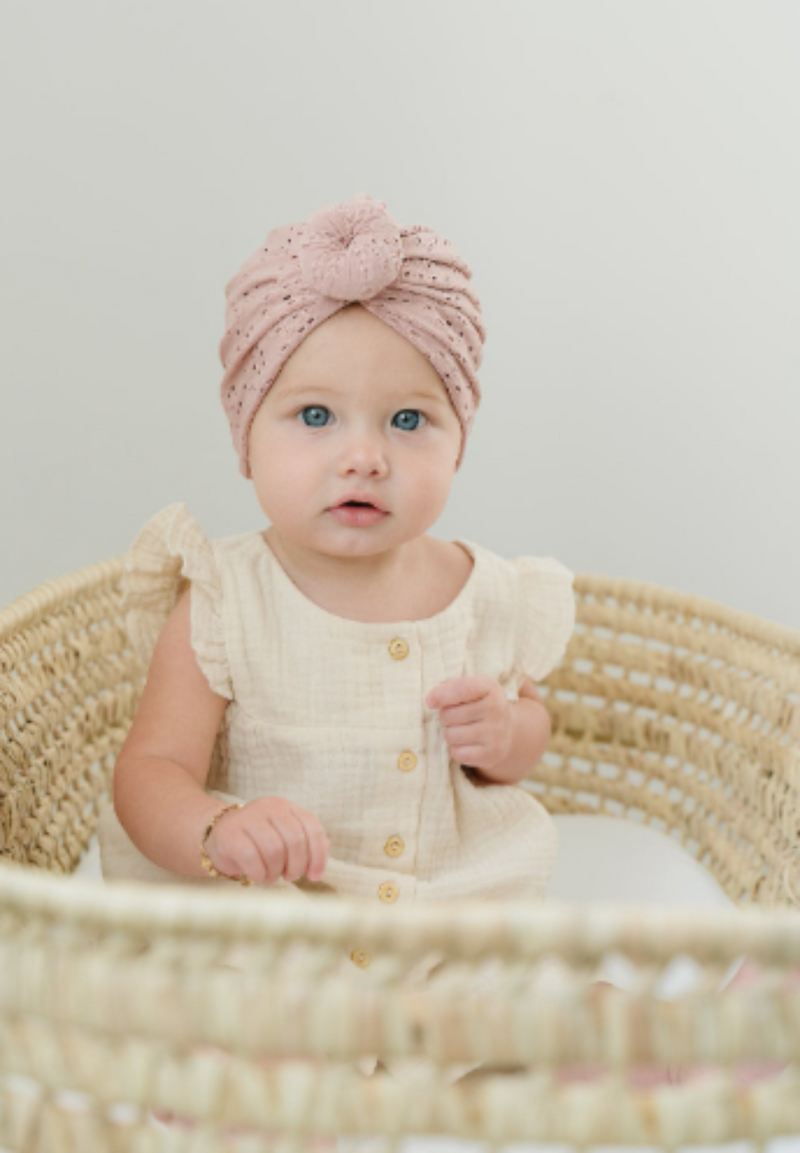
{"points": [[205, 860]]}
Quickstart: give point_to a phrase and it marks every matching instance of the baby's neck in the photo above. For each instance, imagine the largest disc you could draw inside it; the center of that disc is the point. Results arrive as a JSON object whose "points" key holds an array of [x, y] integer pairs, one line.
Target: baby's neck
{"points": [[427, 582]]}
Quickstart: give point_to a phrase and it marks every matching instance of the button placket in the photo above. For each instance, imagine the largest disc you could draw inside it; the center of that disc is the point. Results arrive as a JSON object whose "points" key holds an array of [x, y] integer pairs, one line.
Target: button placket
{"points": [[389, 891], [398, 649], [394, 846]]}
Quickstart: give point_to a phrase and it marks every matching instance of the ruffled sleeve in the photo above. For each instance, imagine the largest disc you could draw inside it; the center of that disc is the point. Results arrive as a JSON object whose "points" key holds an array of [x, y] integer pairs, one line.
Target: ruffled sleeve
{"points": [[170, 552], [546, 615]]}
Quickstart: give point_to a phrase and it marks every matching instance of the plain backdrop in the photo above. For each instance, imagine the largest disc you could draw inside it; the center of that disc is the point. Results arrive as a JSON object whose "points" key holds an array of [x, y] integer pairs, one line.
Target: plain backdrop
{"points": [[622, 177]]}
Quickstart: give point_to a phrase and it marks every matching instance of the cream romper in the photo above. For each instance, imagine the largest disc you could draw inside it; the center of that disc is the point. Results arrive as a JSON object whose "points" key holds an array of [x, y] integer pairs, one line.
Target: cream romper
{"points": [[329, 713]]}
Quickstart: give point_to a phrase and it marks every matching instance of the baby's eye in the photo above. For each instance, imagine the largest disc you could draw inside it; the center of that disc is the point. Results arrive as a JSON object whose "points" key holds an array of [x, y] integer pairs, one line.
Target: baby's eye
{"points": [[315, 408], [414, 412]]}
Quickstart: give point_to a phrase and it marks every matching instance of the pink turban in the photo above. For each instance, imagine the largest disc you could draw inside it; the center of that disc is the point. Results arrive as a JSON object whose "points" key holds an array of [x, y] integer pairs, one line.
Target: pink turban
{"points": [[409, 277]]}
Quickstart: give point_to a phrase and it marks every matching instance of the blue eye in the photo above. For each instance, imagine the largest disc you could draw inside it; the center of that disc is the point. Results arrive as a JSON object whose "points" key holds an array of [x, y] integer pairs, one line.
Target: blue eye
{"points": [[314, 408], [403, 414], [415, 413]]}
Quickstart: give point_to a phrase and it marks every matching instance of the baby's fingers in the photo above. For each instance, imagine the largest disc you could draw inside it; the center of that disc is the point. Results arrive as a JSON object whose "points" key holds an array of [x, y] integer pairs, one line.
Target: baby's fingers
{"points": [[295, 841], [260, 856], [318, 845]]}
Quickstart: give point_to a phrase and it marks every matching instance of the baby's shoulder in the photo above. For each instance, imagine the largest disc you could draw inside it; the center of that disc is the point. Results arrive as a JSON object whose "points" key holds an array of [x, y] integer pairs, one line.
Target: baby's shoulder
{"points": [[240, 558]]}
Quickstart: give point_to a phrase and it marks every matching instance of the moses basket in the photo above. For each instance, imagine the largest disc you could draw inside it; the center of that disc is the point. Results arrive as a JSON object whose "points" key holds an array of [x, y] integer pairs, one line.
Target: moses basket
{"points": [[668, 709]]}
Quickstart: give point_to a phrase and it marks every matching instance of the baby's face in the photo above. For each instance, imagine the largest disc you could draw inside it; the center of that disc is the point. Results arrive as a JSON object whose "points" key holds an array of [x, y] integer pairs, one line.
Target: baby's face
{"points": [[356, 408]]}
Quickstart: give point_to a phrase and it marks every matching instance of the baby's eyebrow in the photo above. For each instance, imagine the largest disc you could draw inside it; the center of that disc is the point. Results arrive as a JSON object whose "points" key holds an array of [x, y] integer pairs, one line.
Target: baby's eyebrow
{"points": [[316, 389]]}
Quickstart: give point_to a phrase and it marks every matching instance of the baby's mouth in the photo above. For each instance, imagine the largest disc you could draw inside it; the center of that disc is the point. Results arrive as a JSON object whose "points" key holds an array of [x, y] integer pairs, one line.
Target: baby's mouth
{"points": [[358, 512], [353, 503]]}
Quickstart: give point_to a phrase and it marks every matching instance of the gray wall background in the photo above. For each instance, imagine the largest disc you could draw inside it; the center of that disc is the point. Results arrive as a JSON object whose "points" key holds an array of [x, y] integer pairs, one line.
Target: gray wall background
{"points": [[622, 176]]}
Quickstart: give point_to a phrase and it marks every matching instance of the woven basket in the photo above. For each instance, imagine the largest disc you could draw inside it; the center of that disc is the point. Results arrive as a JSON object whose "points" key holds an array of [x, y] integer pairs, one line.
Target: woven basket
{"points": [[669, 709]]}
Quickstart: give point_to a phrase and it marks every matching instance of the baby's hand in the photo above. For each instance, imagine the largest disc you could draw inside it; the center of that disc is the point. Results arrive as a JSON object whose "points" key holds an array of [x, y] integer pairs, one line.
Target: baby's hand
{"points": [[268, 838], [476, 716]]}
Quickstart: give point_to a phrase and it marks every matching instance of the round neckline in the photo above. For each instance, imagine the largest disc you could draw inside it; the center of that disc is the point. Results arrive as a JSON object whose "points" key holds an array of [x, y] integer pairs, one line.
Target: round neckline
{"points": [[460, 597]]}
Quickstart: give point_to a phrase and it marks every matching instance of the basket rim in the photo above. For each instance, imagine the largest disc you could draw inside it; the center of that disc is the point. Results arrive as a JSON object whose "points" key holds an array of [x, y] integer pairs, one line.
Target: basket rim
{"points": [[467, 928], [39, 602], [749, 625]]}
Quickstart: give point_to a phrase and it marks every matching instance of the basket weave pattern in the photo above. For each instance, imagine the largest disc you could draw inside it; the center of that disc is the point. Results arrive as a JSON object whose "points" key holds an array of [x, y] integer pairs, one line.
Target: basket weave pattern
{"points": [[667, 708]]}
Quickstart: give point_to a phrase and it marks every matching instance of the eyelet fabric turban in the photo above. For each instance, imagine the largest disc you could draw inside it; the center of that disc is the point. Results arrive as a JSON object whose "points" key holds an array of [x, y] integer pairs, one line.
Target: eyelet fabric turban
{"points": [[407, 276]]}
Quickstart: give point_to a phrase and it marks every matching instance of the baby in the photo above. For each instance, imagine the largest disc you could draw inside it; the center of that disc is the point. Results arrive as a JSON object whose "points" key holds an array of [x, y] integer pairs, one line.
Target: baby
{"points": [[367, 692], [342, 703]]}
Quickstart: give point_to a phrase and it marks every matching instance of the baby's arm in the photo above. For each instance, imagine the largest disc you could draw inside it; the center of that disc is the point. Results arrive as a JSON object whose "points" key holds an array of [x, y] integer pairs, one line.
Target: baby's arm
{"points": [[162, 767]]}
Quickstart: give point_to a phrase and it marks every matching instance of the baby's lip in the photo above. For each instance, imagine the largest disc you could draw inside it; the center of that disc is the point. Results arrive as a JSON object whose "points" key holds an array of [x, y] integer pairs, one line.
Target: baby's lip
{"points": [[363, 498]]}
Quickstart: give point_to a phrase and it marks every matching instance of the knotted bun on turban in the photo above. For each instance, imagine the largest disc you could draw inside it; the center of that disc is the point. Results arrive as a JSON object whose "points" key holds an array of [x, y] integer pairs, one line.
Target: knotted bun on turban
{"points": [[409, 277]]}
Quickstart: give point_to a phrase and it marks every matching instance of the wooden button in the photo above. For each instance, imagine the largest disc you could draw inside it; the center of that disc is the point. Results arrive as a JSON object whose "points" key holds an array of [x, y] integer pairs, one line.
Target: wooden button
{"points": [[361, 958], [406, 761], [394, 846], [398, 648], [388, 892]]}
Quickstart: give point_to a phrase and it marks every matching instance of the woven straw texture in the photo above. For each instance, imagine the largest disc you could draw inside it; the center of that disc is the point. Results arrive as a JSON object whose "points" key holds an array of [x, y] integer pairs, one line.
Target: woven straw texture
{"points": [[666, 708]]}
